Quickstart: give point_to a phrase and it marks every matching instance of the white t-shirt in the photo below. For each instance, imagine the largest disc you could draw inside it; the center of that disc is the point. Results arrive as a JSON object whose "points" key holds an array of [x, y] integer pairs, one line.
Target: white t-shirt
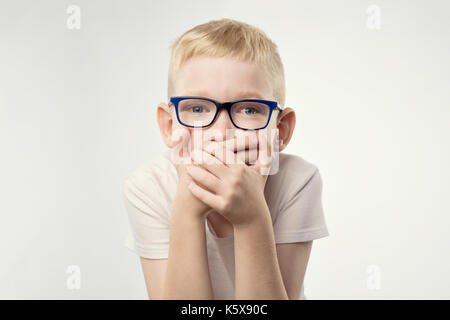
{"points": [[293, 196]]}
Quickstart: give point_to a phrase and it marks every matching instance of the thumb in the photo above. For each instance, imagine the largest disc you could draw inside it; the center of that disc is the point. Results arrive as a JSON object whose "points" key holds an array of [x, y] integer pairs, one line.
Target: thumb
{"points": [[181, 138]]}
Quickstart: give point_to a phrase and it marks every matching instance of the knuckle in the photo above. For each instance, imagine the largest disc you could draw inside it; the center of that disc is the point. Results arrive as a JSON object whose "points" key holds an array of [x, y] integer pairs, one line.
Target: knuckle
{"points": [[227, 199], [201, 173], [234, 182], [223, 206], [238, 173], [228, 194], [231, 195], [208, 147]]}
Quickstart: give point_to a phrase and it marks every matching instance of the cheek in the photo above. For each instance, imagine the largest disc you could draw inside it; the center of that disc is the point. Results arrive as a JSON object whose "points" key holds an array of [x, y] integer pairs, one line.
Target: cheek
{"points": [[175, 123], [196, 137], [272, 129], [273, 121]]}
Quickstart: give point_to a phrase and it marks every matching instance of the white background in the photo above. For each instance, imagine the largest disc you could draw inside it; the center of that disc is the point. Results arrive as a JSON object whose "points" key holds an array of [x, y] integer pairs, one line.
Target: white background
{"points": [[77, 115]]}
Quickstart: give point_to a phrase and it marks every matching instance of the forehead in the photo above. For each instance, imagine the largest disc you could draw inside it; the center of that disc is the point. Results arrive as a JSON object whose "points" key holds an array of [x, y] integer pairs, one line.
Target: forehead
{"points": [[223, 79]]}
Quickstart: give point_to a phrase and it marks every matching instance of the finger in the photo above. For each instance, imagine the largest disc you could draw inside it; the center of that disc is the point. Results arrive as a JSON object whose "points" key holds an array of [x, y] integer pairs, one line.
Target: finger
{"points": [[248, 156], [230, 158], [224, 154], [274, 159], [264, 150], [204, 178], [181, 139], [209, 162], [205, 196], [240, 142], [245, 146], [243, 140], [263, 162]]}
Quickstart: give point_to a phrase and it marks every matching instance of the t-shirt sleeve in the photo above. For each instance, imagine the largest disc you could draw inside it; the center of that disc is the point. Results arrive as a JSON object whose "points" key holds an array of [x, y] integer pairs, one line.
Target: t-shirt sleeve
{"points": [[301, 217], [147, 209]]}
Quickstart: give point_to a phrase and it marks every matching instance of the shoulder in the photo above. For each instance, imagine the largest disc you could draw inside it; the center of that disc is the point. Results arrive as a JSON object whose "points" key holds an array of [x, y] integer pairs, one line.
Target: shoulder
{"points": [[295, 178], [298, 214], [152, 177], [295, 171]]}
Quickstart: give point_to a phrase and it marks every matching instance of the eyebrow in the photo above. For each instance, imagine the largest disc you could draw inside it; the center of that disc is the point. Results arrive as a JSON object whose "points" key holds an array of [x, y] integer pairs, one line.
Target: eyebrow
{"points": [[241, 95]]}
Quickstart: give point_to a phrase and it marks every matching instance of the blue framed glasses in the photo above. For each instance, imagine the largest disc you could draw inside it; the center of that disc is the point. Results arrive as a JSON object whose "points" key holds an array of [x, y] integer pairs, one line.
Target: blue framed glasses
{"points": [[246, 114]]}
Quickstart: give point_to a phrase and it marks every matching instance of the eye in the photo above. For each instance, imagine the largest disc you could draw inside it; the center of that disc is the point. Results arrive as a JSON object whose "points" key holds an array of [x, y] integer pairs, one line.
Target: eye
{"points": [[249, 110], [197, 109]]}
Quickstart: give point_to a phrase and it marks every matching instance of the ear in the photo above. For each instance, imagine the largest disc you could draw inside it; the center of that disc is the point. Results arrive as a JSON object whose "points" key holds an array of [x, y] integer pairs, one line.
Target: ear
{"points": [[285, 125], [164, 118]]}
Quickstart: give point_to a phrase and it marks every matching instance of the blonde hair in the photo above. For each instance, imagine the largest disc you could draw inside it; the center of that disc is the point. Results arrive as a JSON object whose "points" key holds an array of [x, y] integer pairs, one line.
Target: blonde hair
{"points": [[227, 37]]}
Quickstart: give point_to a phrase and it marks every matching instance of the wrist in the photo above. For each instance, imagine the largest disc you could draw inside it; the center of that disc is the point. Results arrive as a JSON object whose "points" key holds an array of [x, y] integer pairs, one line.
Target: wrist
{"points": [[261, 219], [187, 202]]}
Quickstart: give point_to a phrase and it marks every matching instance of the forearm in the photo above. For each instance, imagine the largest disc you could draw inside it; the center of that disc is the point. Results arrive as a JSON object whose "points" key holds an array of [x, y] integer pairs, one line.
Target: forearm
{"points": [[187, 275], [258, 274]]}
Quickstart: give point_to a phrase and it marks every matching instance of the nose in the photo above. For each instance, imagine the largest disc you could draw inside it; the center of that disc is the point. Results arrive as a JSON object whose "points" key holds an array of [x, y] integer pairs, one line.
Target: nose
{"points": [[221, 126]]}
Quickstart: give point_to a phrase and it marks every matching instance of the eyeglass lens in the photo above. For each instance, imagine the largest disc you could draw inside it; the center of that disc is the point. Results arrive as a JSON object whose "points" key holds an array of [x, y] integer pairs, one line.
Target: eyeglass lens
{"points": [[248, 115]]}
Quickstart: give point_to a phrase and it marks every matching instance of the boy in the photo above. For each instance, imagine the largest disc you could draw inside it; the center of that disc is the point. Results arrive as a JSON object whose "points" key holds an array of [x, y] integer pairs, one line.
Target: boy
{"points": [[208, 223]]}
